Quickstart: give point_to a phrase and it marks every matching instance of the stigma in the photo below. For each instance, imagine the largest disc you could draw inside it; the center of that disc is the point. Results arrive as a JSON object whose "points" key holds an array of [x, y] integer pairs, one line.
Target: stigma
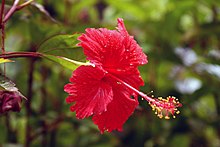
{"points": [[164, 107]]}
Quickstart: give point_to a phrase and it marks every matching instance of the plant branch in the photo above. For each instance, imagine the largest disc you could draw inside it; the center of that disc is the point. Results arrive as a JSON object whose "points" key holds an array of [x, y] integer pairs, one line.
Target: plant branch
{"points": [[15, 7], [42, 112], [11, 11], [9, 55], [2, 27], [24, 4], [2, 11], [29, 96]]}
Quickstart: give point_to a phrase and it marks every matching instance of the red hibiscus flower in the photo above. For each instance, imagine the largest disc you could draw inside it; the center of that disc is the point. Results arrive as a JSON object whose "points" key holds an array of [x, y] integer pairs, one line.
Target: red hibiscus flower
{"points": [[108, 89]]}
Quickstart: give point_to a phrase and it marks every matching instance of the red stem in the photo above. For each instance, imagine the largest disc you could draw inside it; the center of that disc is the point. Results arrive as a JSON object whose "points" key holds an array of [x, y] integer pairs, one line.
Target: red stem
{"points": [[11, 11], [2, 26], [15, 7], [9, 55], [2, 11]]}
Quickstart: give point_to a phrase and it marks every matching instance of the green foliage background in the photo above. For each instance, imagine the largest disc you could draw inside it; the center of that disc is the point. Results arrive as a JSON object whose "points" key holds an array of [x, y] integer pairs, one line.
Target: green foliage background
{"points": [[182, 42]]}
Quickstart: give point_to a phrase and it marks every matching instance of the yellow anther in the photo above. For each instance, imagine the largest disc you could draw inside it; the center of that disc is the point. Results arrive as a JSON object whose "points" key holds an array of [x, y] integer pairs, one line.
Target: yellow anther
{"points": [[165, 107], [177, 112], [160, 115], [167, 117]]}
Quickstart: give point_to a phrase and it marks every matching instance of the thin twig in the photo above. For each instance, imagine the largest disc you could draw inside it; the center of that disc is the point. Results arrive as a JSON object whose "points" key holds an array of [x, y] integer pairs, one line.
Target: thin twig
{"points": [[11, 11], [29, 96], [2, 11], [15, 7], [24, 4], [20, 54], [3, 37], [42, 112], [2, 26]]}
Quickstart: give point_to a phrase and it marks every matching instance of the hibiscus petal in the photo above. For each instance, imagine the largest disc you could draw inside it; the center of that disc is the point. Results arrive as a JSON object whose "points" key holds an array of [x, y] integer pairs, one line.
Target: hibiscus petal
{"points": [[131, 77], [121, 27], [137, 57], [70, 88], [112, 49], [89, 90], [118, 111], [100, 45], [122, 106]]}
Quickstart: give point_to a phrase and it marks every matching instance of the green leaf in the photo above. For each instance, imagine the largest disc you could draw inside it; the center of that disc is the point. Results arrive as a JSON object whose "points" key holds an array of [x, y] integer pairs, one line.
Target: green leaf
{"points": [[63, 45], [66, 62], [130, 8], [8, 85], [2, 60]]}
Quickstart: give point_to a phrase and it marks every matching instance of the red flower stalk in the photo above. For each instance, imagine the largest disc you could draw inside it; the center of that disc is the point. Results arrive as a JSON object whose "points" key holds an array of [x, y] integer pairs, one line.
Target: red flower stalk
{"points": [[108, 89]]}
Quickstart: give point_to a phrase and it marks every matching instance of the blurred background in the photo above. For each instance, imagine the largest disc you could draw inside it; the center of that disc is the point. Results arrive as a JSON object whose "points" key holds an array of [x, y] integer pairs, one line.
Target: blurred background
{"points": [[182, 42]]}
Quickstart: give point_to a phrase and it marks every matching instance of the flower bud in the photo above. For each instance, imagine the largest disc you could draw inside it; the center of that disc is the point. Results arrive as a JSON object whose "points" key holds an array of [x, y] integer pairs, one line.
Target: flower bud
{"points": [[10, 101]]}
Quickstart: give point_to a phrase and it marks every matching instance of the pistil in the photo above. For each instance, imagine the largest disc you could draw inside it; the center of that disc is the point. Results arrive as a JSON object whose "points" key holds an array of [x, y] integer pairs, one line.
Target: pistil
{"points": [[162, 107]]}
